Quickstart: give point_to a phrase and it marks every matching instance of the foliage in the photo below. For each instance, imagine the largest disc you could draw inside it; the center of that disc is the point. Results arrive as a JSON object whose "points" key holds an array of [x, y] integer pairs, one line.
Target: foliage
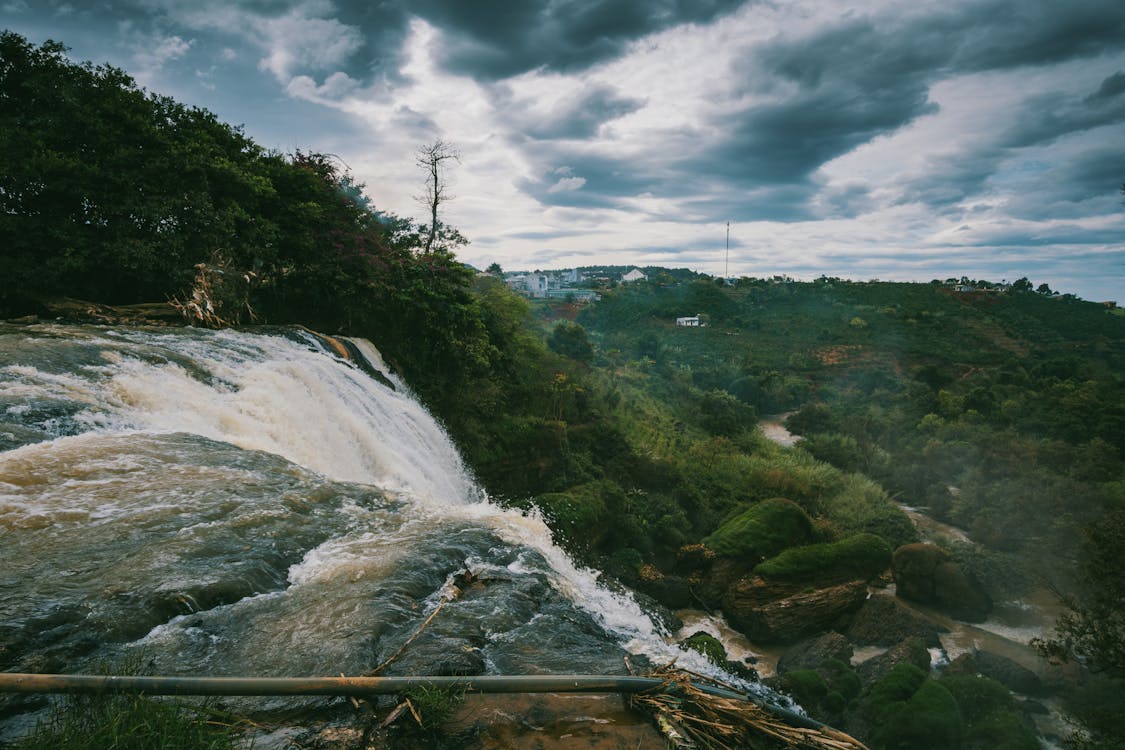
{"points": [[907, 709], [762, 530], [861, 556], [580, 515], [1094, 627], [570, 340], [102, 721], [435, 705], [805, 685], [1099, 706], [990, 715], [708, 645]]}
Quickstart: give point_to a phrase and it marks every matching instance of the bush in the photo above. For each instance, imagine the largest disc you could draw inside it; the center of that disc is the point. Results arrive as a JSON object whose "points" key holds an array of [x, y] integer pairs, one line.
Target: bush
{"points": [[989, 713], [908, 710], [805, 685], [861, 506], [580, 514], [841, 678], [860, 556], [762, 531]]}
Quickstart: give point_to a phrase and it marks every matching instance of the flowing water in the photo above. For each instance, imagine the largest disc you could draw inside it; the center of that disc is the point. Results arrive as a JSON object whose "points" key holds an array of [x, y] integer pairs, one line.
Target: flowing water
{"points": [[233, 503]]}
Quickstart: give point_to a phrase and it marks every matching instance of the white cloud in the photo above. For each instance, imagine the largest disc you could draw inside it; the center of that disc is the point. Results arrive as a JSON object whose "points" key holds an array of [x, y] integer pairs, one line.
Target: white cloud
{"points": [[297, 41], [567, 184]]}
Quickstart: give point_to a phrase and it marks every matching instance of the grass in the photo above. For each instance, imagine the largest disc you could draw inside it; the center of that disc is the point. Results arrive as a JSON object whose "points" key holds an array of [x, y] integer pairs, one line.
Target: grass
{"points": [[133, 722]]}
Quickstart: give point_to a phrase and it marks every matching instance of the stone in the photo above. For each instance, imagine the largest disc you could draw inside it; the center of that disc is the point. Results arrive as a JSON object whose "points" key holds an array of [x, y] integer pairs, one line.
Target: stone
{"points": [[959, 594], [885, 621], [795, 615], [925, 573], [1008, 673], [909, 651], [671, 591], [718, 578], [811, 653]]}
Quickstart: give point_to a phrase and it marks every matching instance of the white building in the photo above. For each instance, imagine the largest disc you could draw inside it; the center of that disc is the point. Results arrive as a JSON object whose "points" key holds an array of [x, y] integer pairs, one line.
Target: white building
{"points": [[635, 275], [691, 322]]}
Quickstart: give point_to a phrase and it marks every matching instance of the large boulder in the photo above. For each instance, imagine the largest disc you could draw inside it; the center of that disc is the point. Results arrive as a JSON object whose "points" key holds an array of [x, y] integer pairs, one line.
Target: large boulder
{"points": [[799, 614], [718, 578], [761, 531], [909, 651], [1009, 673], [811, 653], [885, 621], [925, 573]]}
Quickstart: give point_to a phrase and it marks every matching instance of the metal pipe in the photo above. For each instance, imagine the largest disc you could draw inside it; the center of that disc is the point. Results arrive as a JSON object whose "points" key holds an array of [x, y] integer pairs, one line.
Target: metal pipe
{"points": [[353, 686], [11, 682]]}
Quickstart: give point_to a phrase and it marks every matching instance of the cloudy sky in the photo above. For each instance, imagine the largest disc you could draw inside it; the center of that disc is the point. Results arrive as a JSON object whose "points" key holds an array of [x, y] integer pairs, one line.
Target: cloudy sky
{"points": [[891, 139]]}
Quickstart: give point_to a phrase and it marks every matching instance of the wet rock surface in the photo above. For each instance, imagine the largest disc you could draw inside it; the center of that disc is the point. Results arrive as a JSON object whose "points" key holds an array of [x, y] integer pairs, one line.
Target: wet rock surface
{"points": [[811, 653], [885, 621], [925, 573], [793, 617]]}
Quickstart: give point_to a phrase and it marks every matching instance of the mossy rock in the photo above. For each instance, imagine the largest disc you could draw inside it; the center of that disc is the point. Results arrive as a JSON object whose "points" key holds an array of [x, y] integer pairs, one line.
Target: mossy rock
{"points": [[762, 531], [989, 712], [977, 696], [841, 678], [805, 685], [860, 556], [708, 645], [906, 709]]}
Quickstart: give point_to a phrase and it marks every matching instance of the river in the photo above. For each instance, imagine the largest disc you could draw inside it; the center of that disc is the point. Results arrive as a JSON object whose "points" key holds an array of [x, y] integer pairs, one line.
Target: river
{"points": [[193, 502]]}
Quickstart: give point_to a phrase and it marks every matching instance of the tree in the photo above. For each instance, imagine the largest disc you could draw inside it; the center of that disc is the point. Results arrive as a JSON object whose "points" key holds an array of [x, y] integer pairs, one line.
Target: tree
{"points": [[570, 340], [432, 159]]}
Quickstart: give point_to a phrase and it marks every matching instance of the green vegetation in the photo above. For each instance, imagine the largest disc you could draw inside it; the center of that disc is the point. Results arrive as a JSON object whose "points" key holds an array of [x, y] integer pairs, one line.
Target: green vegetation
{"points": [[709, 646], [989, 714], [97, 722], [861, 556], [999, 410], [762, 531], [907, 709]]}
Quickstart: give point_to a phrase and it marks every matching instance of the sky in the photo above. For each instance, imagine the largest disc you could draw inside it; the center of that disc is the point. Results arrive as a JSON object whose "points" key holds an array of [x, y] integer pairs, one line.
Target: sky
{"points": [[876, 139]]}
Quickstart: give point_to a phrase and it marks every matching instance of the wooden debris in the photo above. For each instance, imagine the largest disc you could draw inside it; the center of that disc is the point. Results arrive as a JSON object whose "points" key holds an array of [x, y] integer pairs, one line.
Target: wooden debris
{"points": [[690, 717]]}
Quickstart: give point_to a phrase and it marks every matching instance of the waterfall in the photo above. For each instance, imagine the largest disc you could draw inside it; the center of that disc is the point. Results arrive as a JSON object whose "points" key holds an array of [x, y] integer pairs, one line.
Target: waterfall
{"points": [[191, 491]]}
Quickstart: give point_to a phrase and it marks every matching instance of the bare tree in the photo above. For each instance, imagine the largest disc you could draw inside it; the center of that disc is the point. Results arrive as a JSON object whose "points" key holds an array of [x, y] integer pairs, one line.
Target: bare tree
{"points": [[432, 159]]}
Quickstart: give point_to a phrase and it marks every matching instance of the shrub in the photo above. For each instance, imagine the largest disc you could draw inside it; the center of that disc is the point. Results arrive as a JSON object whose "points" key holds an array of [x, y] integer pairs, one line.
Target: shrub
{"points": [[860, 556], [989, 713], [859, 505], [908, 710], [579, 514], [841, 678], [762, 530], [805, 685]]}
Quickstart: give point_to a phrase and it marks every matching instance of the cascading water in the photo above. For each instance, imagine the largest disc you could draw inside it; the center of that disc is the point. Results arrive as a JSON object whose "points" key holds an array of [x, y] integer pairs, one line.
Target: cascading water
{"points": [[239, 503]]}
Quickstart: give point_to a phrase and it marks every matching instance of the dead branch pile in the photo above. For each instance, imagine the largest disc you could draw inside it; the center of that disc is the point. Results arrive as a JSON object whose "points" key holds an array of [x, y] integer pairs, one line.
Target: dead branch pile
{"points": [[692, 718]]}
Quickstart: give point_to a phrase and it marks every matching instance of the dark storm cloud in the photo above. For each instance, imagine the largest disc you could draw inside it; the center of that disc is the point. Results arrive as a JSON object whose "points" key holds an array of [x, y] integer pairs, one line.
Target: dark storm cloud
{"points": [[1055, 115], [1013, 33], [494, 39], [1085, 184], [828, 92], [576, 117]]}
